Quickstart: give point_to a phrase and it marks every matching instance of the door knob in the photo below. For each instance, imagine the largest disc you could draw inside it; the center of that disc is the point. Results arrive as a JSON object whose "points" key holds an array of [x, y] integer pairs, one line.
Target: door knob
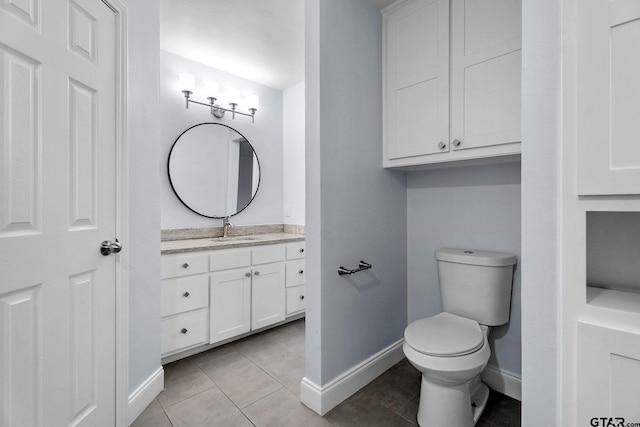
{"points": [[108, 247]]}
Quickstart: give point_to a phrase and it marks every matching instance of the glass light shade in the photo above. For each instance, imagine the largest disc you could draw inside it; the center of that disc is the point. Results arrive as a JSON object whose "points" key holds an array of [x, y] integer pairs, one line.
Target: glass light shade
{"points": [[187, 82], [212, 89], [251, 101], [233, 96]]}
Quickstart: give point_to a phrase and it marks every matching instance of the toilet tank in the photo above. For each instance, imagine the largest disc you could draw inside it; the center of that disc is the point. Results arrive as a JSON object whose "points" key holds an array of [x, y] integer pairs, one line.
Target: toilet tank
{"points": [[476, 284]]}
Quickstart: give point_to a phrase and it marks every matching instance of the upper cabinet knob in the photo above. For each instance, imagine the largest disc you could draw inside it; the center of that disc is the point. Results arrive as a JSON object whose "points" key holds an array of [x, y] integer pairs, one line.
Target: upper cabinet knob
{"points": [[442, 145], [456, 143]]}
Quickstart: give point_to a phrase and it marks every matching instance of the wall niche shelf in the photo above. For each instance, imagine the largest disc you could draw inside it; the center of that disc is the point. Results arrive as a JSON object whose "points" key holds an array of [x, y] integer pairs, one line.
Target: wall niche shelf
{"points": [[613, 260]]}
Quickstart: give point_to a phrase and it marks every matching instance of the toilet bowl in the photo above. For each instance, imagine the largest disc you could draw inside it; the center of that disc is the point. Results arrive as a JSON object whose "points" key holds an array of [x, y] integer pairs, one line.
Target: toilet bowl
{"points": [[451, 349], [451, 352]]}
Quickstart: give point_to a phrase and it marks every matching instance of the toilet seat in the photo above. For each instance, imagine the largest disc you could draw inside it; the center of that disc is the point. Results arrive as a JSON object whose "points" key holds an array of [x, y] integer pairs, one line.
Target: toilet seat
{"points": [[444, 335]]}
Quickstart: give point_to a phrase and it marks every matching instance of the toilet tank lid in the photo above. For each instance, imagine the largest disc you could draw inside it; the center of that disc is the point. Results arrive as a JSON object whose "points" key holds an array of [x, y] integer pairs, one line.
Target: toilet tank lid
{"points": [[475, 257]]}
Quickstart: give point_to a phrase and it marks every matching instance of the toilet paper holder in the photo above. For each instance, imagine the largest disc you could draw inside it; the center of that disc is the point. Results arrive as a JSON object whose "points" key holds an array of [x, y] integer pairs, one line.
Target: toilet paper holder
{"points": [[362, 265]]}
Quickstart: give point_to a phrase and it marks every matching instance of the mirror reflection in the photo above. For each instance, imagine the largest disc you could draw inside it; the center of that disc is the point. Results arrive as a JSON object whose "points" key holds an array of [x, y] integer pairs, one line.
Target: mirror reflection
{"points": [[214, 170]]}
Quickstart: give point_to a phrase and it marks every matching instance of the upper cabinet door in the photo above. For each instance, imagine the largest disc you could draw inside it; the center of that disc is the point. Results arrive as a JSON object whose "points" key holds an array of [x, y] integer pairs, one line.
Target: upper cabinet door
{"points": [[416, 78], [485, 73], [608, 90]]}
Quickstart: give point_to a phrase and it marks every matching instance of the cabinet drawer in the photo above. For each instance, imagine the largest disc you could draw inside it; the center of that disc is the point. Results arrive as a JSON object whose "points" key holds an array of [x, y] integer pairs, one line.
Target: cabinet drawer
{"points": [[295, 250], [184, 330], [226, 260], [183, 265], [184, 294], [268, 254], [294, 272], [295, 299]]}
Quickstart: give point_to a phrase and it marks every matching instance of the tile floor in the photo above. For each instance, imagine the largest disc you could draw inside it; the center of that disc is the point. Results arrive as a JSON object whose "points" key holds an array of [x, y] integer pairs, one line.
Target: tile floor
{"points": [[256, 382]]}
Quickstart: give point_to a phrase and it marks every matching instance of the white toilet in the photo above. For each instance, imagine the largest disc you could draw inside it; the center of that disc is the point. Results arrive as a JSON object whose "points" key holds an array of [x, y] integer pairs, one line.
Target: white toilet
{"points": [[451, 348]]}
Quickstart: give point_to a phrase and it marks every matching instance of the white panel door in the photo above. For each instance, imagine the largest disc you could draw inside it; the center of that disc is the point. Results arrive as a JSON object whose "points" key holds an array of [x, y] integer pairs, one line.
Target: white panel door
{"points": [[417, 79], [230, 304], [267, 295], [485, 73], [57, 204], [608, 88]]}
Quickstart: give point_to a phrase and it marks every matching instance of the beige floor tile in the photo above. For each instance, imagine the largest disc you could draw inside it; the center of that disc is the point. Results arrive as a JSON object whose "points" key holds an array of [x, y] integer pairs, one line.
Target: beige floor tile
{"points": [[286, 367], [152, 416], [283, 409], [211, 408], [240, 379], [182, 380]]}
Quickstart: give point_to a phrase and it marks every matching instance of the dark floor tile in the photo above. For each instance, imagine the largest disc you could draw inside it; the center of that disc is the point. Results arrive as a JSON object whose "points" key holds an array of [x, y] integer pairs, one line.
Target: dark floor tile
{"points": [[502, 411], [392, 390], [361, 410]]}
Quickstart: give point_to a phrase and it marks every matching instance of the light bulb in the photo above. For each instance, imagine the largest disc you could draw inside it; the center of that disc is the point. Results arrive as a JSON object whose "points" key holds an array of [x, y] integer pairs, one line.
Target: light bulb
{"points": [[212, 89], [187, 82], [252, 101], [233, 96]]}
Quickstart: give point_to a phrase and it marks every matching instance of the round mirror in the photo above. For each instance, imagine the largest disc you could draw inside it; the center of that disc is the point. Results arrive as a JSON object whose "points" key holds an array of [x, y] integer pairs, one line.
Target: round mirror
{"points": [[214, 170]]}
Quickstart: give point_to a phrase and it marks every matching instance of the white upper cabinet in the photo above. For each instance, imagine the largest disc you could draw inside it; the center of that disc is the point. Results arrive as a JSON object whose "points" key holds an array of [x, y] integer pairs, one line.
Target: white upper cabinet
{"points": [[417, 79], [451, 80], [608, 90]]}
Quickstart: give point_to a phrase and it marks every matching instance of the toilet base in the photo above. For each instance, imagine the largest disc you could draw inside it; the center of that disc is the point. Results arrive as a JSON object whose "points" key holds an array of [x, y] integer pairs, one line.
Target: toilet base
{"points": [[452, 405], [479, 398]]}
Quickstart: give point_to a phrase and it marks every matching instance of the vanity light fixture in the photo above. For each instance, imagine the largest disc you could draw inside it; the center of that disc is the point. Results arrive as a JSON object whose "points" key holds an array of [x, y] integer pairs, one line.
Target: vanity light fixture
{"points": [[212, 93]]}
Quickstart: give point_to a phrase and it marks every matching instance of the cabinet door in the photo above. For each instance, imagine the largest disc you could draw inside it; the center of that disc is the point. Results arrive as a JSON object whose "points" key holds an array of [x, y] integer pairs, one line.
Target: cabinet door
{"points": [[416, 79], [485, 73], [608, 90], [268, 295], [230, 304]]}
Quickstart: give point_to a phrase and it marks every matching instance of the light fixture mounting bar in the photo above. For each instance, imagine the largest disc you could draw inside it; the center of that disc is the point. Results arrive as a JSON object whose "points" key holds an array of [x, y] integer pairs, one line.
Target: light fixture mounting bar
{"points": [[219, 111]]}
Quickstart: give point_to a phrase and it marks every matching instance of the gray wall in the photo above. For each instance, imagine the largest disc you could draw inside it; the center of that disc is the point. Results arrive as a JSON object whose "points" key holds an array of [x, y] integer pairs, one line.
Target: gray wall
{"points": [[144, 190], [464, 207], [355, 209], [265, 135], [541, 260]]}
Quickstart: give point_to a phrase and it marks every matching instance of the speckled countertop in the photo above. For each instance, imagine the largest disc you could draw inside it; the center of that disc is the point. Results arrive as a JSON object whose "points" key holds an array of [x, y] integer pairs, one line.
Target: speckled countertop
{"points": [[207, 239], [208, 244]]}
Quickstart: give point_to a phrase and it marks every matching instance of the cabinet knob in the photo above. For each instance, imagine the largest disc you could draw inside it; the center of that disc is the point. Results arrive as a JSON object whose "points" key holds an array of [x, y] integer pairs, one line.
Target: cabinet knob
{"points": [[442, 145], [185, 265], [257, 273], [301, 271], [302, 250], [456, 142], [301, 296], [184, 330], [247, 274], [186, 294]]}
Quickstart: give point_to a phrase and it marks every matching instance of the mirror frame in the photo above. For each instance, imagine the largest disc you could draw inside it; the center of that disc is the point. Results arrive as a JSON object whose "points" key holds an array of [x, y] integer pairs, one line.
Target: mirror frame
{"points": [[253, 196]]}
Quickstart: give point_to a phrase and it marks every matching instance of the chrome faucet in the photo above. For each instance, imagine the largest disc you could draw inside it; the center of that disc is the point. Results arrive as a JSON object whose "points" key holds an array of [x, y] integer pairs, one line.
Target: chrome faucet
{"points": [[225, 226]]}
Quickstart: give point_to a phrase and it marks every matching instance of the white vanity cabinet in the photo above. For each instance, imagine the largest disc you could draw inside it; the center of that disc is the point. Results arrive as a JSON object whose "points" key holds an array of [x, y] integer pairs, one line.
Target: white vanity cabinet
{"points": [[230, 297], [184, 301], [212, 296], [295, 278], [452, 78], [249, 288]]}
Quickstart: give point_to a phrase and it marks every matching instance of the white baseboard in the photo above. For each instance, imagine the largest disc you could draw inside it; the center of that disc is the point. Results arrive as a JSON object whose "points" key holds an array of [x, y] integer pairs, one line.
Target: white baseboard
{"points": [[323, 399], [503, 381], [144, 395]]}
